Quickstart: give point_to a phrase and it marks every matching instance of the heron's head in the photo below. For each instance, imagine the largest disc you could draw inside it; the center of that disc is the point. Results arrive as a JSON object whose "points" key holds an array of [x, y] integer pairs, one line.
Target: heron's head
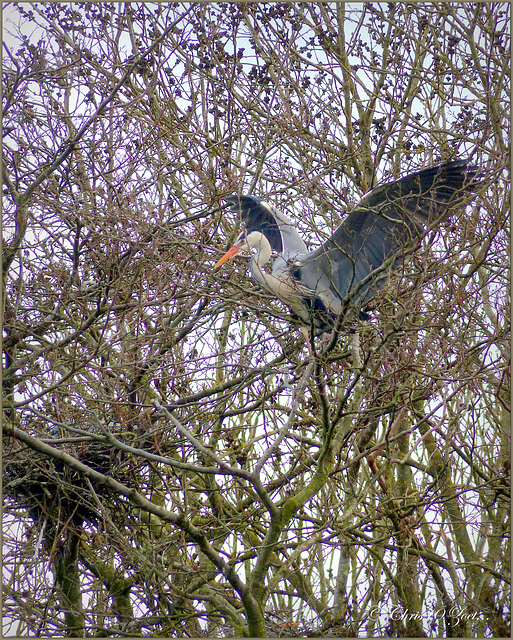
{"points": [[246, 242]]}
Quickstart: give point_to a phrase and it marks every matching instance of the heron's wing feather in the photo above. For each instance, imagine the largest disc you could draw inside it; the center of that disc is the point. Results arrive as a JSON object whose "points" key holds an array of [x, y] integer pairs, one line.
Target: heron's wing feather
{"points": [[358, 247], [258, 215], [426, 194], [385, 223]]}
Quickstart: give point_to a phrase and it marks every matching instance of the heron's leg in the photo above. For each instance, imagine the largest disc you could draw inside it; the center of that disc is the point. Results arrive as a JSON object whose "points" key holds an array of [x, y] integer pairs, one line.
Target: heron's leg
{"points": [[306, 333], [325, 339]]}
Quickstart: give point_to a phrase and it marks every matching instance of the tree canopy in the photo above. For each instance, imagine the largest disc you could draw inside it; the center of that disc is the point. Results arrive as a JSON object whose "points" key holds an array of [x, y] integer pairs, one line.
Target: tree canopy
{"points": [[174, 462]]}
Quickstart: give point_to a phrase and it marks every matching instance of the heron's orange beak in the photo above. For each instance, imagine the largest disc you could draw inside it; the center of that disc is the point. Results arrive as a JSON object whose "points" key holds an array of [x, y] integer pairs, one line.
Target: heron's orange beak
{"points": [[229, 254]]}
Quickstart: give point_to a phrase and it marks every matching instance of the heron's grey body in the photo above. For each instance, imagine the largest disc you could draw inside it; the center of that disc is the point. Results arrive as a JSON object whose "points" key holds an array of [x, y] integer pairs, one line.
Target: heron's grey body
{"points": [[349, 267]]}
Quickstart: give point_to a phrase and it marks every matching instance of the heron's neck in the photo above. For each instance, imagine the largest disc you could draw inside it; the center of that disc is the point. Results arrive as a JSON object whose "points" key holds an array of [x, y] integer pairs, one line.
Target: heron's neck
{"points": [[279, 283], [259, 259], [258, 241]]}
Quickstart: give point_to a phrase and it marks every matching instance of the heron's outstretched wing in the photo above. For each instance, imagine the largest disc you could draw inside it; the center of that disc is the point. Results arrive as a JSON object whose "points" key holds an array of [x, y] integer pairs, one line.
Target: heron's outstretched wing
{"points": [[386, 222], [258, 215], [426, 195]]}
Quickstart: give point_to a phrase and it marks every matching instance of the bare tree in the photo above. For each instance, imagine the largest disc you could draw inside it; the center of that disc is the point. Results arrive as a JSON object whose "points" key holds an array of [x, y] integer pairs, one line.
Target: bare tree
{"points": [[174, 462]]}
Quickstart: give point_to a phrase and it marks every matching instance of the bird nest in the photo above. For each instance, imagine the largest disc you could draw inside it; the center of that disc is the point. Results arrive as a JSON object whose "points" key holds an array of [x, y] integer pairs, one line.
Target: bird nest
{"points": [[50, 491]]}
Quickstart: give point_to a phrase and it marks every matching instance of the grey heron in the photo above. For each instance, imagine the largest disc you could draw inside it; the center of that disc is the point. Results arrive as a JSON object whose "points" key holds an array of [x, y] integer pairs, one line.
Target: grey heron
{"points": [[350, 266]]}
